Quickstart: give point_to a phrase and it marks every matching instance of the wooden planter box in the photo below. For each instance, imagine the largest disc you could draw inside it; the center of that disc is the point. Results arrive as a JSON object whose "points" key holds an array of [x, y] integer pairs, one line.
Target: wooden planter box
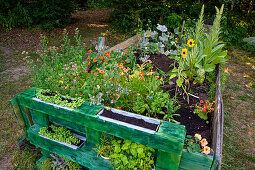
{"points": [[167, 140]]}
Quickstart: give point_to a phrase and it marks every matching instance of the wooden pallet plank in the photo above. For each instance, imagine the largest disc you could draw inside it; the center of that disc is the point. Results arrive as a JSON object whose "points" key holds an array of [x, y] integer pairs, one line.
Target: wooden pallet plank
{"points": [[84, 156], [171, 143], [195, 161]]}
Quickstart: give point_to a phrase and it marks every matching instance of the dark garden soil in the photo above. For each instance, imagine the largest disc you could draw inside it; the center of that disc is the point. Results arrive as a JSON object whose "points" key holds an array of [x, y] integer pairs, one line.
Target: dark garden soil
{"points": [[130, 120], [194, 124]]}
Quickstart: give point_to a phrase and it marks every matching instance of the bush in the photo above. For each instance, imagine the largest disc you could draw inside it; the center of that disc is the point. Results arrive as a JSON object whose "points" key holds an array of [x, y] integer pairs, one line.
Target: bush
{"points": [[46, 13]]}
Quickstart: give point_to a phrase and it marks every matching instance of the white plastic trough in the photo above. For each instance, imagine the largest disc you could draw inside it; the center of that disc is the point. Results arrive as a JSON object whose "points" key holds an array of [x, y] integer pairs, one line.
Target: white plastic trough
{"points": [[128, 114]]}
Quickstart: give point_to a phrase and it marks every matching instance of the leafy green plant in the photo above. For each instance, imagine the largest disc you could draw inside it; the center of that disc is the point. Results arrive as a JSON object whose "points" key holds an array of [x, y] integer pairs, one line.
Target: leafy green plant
{"points": [[48, 96], [126, 154], [59, 162], [61, 134], [156, 103]]}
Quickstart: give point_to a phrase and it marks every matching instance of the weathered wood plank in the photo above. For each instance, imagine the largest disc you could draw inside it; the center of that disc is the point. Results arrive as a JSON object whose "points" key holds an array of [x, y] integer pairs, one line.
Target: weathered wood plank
{"points": [[195, 161], [85, 156], [167, 161], [168, 143]]}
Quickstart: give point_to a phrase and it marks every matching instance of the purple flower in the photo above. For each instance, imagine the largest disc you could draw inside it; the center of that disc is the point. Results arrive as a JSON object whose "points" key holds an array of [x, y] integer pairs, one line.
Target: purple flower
{"points": [[112, 101]]}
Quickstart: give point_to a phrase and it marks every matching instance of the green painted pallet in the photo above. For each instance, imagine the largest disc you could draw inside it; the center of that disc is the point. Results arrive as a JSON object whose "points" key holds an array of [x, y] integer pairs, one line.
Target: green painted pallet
{"points": [[168, 140]]}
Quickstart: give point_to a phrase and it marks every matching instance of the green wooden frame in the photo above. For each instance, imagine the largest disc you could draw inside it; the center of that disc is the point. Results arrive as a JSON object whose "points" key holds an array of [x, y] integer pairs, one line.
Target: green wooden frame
{"points": [[168, 140]]}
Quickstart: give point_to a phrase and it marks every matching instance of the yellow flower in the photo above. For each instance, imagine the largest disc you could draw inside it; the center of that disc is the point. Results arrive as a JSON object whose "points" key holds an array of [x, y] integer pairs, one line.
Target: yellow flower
{"points": [[184, 52], [206, 150], [198, 136], [203, 142], [191, 43]]}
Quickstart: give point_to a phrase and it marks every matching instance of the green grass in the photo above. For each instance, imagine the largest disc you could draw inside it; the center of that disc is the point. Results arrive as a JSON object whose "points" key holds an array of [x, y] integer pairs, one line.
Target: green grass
{"points": [[238, 145]]}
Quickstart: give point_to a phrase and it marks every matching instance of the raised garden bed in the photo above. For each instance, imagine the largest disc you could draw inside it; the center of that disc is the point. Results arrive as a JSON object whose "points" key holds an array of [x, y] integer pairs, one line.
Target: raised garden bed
{"points": [[148, 93]]}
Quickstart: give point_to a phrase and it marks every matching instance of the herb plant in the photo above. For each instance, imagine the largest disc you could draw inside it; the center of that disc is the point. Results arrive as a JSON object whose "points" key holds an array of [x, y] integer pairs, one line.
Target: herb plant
{"points": [[61, 134], [59, 99], [126, 154]]}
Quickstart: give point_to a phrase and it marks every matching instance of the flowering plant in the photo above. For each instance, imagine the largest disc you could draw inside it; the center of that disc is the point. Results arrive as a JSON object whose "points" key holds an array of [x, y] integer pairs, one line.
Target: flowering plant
{"points": [[204, 108], [196, 144]]}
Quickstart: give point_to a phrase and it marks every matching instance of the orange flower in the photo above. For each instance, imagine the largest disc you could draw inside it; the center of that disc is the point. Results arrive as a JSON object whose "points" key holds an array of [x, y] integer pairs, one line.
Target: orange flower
{"points": [[101, 71], [212, 109], [203, 142], [95, 60], [204, 109], [206, 150], [101, 57], [198, 136], [89, 64], [205, 105], [156, 77], [142, 73], [117, 96], [201, 101], [214, 101], [88, 57], [90, 51], [119, 108]]}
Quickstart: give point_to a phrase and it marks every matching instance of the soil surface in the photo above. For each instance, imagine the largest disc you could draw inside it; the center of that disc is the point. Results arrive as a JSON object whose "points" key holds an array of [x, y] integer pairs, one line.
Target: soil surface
{"points": [[130, 120], [194, 124]]}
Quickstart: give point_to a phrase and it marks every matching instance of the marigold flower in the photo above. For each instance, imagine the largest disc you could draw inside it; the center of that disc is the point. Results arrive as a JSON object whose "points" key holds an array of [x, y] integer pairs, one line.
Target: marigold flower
{"points": [[205, 105], [88, 57], [95, 60], [191, 43], [212, 109], [101, 71], [90, 51], [201, 101], [198, 136], [101, 57], [184, 52], [203, 142], [206, 150]]}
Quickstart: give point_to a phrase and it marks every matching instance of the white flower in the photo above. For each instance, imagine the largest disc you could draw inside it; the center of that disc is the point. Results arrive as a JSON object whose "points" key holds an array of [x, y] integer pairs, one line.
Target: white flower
{"points": [[164, 37], [162, 28], [154, 34]]}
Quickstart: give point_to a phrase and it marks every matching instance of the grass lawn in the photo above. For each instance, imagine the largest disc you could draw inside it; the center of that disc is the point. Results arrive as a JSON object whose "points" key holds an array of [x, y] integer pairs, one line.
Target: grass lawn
{"points": [[239, 93]]}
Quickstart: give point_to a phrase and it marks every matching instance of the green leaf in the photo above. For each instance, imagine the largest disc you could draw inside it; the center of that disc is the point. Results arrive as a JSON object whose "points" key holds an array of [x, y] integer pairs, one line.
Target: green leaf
{"points": [[172, 76], [179, 82], [124, 159], [140, 150]]}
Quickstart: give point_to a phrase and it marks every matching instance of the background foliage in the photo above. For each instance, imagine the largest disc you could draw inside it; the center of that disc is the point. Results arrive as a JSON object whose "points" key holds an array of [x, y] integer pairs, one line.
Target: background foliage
{"points": [[46, 13], [238, 18]]}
